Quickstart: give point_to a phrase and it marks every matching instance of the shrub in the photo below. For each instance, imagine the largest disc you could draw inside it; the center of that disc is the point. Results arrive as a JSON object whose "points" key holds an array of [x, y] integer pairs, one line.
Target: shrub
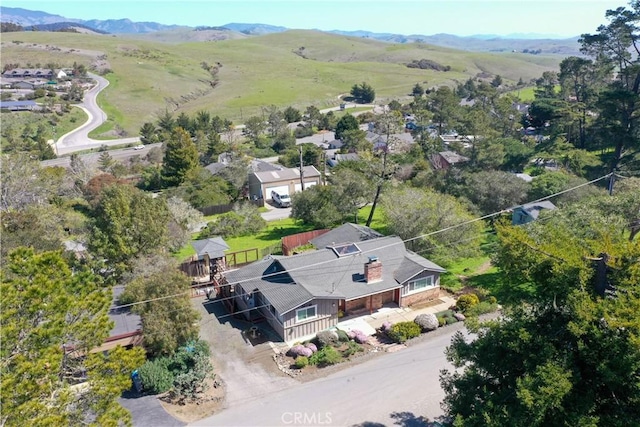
{"points": [[326, 338], [351, 335], [467, 301], [482, 308], [442, 321], [402, 331], [300, 350], [492, 300], [427, 321], [155, 375], [386, 326], [361, 338], [352, 348], [311, 346], [325, 356], [450, 320], [301, 362], [342, 335]]}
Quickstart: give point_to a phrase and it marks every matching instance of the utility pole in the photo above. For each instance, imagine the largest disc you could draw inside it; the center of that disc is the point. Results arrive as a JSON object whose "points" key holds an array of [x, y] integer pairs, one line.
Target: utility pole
{"points": [[301, 169]]}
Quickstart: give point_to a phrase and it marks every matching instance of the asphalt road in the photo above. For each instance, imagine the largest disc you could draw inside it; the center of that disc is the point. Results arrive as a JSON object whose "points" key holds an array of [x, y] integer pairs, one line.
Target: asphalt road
{"points": [[78, 139], [382, 391], [121, 155]]}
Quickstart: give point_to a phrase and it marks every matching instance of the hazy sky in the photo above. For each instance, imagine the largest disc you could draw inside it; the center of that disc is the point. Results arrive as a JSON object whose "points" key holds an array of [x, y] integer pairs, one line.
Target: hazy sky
{"points": [[560, 17]]}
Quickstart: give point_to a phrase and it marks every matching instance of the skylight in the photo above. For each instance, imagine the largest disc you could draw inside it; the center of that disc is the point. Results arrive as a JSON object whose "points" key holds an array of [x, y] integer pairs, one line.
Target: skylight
{"points": [[346, 249]]}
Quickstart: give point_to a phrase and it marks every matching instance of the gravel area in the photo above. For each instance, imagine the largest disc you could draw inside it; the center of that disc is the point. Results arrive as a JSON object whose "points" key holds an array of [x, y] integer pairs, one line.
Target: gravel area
{"points": [[248, 372]]}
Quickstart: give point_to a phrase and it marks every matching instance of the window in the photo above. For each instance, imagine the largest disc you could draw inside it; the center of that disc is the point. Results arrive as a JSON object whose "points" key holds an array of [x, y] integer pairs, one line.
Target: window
{"points": [[418, 285], [347, 249], [305, 313]]}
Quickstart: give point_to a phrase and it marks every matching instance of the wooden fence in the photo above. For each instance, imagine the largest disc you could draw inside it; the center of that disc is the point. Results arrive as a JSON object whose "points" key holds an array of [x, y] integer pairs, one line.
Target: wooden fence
{"points": [[289, 243], [240, 258], [220, 209]]}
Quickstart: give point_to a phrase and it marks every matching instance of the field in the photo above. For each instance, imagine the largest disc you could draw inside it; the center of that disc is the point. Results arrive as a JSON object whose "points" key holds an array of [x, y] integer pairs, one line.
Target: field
{"points": [[66, 123], [298, 68]]}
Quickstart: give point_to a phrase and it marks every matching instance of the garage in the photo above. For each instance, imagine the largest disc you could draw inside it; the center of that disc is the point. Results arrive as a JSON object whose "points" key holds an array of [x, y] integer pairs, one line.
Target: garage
{"points": [[306, 185], [282, 189]]}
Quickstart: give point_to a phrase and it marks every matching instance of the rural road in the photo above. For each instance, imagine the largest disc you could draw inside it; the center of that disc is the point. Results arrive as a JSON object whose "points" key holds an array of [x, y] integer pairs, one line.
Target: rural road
{"points": [[397, 386], [91, 159], [78, 139]]}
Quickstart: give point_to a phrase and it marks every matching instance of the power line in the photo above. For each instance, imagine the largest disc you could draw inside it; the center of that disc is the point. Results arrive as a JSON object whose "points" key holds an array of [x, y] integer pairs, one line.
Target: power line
{"points": [[491, 215]]}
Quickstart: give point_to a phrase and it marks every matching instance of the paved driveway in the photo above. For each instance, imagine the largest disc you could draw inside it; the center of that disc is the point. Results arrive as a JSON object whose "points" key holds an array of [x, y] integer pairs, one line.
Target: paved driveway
{"points": [[146, 411]]}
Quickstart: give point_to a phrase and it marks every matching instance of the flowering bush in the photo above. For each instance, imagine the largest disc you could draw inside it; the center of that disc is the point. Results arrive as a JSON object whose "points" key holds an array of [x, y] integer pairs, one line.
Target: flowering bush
{"points": [[427, 321], [386, 326], [300, 350], [351, 335], [311, 346], [361, 338]]}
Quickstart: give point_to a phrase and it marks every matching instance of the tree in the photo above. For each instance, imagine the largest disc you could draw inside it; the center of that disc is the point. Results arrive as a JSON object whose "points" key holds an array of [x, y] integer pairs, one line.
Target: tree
{"points": [[346, 123], [167, 323], [311, 155], [52, 314], [417, 91], [184, 221], [317, 206], [492, 191], [24, 183], [292, 115], [562, 353], [148, 133], [236, 173], [354, 191], [615, 48], [283, 141], [497, 81], [445, 106], [105, 162], [363, 93], [313, 116], [128, 223], [203, 190], [275, 120], [180, 158], [254, 127], [411, 212]]}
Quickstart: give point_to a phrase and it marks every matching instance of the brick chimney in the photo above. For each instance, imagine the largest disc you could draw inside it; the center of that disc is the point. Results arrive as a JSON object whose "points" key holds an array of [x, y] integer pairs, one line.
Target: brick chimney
{"points": [[373, 270]]}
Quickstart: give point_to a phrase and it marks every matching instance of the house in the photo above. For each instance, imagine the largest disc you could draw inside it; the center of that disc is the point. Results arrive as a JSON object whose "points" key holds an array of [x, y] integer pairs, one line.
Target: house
{"points": [[127, 326], [464, 140], [303, 294], [447, 159], [31, 73], [337, 158], [530, 212], [17, 105], [282, 181], [396, 142]]}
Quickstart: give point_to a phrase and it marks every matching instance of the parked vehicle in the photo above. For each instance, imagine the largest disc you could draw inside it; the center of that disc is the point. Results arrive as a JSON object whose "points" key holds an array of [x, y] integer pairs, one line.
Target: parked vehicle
{"points": [[281, 200]]}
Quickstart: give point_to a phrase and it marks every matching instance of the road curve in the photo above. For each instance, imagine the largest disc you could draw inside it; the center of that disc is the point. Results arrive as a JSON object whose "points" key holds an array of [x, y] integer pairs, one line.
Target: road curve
{"points": [[78, 139]]}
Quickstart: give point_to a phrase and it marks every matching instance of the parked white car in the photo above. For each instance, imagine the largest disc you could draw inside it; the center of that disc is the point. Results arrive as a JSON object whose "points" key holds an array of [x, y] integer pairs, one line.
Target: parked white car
{"points": [[281, 200], [138, 147]]}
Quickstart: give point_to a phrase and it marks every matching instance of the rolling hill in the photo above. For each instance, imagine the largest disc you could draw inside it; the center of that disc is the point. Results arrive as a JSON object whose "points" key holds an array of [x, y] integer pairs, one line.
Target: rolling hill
{"points": [[298, 68]]}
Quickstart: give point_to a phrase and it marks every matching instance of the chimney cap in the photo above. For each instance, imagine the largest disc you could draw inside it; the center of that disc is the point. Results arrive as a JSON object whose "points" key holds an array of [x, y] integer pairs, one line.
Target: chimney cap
{"points": [[373, 258]]}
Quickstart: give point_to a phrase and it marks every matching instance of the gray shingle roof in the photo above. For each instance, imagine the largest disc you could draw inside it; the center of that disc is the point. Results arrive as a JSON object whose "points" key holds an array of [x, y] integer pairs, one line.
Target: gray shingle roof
{"points": [[534, 209], [214, 247], [285, 174], [322, 274], [124, 320], [346, 233], [280, 290]]}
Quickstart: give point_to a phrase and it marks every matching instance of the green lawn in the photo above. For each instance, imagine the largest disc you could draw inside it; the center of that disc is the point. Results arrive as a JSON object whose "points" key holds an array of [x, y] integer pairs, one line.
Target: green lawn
{"points": [[378, 223], [69, 121]]}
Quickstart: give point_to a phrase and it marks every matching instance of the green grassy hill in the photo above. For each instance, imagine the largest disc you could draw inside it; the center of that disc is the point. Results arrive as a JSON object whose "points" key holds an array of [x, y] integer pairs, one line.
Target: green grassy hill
{"points": [[149, 76]]}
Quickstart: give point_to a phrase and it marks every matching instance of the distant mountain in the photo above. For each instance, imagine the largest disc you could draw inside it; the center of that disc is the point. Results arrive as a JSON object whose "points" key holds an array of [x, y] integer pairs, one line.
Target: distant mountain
{"points": [[527, 43], [255, 29], [126, 26], [62, 26], [28, 18]]}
